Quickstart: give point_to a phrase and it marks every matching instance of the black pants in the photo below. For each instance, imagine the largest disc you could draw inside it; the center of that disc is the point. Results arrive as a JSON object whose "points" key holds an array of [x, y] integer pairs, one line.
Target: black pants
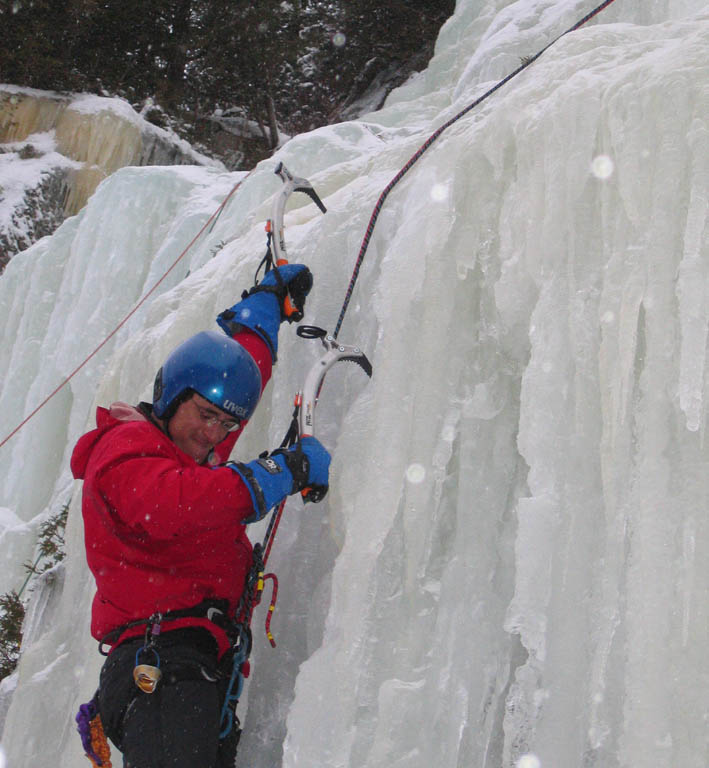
{"points": [[176, 726]]}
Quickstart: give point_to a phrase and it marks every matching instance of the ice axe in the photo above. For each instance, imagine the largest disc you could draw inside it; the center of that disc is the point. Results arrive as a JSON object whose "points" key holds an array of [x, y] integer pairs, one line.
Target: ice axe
{"points": [[276, 229]]}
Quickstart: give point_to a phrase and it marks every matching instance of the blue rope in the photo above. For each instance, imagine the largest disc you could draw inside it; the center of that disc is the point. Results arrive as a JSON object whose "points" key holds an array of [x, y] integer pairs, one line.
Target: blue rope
{"points": [[231, 698]]}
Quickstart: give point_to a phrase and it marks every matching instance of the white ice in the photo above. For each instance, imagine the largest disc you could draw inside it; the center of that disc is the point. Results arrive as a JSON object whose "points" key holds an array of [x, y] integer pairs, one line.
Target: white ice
{"points": [[508, 569]]}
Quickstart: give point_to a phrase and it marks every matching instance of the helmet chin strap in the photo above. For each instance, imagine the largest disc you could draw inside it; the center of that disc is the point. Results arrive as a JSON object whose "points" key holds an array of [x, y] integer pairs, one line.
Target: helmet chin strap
{"points": [[164, 422]]}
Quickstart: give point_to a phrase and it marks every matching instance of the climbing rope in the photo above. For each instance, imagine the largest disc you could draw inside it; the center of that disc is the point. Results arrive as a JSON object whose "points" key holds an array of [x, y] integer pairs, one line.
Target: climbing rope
{"points": [[255, 582], [431, 139]]}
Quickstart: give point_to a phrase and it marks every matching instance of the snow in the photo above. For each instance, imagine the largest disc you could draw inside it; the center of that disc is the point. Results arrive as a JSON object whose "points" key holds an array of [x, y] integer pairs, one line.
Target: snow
{"points": [[75, 140], [508, 568], [237, 123], [17, 177]]}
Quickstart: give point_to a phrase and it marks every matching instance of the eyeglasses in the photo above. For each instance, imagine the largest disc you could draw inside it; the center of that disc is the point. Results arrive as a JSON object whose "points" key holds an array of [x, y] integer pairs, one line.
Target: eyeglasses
{"points": [[210, 420]]}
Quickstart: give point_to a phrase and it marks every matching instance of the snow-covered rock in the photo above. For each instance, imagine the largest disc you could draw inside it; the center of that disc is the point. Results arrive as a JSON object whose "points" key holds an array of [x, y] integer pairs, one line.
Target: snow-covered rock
{"points": [[55, 149]]}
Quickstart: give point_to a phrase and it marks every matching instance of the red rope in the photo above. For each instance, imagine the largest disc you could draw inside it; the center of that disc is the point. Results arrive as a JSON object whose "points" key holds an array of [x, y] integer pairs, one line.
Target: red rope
{"points": [[380, 202], [272, 532], [212, 218]]}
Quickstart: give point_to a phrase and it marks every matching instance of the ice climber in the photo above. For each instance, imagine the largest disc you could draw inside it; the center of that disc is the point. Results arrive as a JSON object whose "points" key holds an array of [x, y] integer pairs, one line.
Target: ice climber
{"points": [[165, 534]]}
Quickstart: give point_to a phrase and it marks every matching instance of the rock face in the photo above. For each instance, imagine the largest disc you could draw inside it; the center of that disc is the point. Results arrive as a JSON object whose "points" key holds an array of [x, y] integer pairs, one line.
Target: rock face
{"points": [[55, 149]]}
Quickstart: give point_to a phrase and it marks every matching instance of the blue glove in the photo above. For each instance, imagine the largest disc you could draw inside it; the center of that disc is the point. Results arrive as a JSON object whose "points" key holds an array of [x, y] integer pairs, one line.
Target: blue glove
{"points": [[279, 296], [314, 478], [303, 466]]}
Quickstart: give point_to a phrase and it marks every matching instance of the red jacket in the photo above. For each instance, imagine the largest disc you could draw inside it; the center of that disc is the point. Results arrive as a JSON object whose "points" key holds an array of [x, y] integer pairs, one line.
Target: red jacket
{"points": [[162, 532]]}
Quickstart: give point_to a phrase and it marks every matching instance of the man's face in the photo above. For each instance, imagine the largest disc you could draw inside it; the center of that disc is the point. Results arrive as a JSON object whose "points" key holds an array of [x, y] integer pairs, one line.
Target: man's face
{"points": [[198, 426]]}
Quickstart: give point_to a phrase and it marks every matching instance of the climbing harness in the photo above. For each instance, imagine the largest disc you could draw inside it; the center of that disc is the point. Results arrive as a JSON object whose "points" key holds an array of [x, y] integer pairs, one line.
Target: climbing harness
{"points": [[145, 675], [212, 608]]}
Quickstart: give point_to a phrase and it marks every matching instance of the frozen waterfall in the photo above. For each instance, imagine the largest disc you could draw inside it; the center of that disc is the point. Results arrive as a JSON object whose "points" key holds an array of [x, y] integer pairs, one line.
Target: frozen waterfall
{"points": [[507, 571]]}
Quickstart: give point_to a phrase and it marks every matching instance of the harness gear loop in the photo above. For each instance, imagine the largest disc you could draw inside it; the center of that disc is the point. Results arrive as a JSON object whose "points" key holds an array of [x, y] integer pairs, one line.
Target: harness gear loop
{"points": [[147, 676]]}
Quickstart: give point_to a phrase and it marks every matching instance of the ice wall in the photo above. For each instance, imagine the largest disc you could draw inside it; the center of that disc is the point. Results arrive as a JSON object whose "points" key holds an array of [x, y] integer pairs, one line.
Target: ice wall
{"points": [[508, 569]]}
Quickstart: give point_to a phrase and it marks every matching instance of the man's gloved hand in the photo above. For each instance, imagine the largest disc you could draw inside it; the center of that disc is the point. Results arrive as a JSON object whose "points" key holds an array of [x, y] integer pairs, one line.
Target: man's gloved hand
{"points": [[309, 463], [279, 296], [291, 283], [303, 466]]}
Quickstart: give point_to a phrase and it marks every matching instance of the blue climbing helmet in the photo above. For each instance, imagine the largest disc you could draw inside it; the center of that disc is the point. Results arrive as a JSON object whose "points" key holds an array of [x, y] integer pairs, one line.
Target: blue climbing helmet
{"points": [[216, 367]]}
